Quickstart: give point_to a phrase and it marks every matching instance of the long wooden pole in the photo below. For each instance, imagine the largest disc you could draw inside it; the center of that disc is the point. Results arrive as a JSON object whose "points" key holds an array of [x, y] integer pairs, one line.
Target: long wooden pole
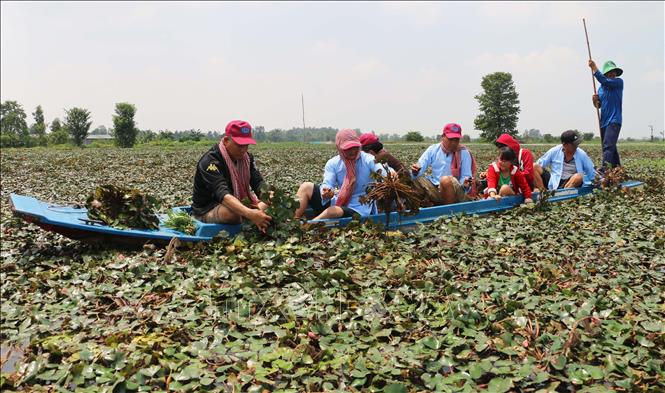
{"points": [[593, 79]]}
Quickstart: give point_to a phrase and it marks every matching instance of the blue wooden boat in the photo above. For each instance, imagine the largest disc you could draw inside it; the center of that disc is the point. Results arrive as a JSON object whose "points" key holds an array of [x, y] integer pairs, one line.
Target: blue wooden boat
{"points": [[73, 222]]}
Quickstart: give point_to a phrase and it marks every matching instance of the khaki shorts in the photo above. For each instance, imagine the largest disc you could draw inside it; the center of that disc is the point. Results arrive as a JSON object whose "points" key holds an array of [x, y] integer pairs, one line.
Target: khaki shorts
{"points": [[214, 216], [430, 192], [460, 194]]}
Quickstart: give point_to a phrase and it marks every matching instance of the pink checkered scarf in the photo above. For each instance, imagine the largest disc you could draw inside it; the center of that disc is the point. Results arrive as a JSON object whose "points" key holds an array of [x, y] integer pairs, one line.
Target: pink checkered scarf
{"points": [[345, 193], [239, 175]]}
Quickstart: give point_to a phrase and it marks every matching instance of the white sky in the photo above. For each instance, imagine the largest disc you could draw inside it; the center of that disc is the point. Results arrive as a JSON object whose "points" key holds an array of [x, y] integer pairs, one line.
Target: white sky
{"points": [[388, 67]]}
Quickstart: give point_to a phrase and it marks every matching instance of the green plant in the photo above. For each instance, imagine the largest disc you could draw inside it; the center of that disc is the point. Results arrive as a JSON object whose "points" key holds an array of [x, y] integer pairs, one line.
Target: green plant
{"points": [[181, 222], [123, 207]]}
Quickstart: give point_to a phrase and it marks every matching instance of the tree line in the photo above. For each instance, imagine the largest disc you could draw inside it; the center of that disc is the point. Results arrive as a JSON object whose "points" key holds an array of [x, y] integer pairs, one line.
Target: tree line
{"points": [[14, 130], [498, 106], [75, 128]]}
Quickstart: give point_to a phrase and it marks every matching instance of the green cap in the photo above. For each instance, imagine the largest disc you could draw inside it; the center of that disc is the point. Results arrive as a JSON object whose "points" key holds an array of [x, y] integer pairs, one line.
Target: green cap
{"points": [[609, 66]]}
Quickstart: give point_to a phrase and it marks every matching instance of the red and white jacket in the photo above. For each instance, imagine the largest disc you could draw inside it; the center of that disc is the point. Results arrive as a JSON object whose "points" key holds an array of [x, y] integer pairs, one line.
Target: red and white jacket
{"points": [[524, 156], [517, 179]]}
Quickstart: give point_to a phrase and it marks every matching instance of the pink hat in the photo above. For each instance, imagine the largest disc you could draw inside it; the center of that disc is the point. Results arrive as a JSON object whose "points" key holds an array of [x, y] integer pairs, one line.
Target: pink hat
{"points": [[452, 130], [346, 139], [241, 132], [368, 139]]}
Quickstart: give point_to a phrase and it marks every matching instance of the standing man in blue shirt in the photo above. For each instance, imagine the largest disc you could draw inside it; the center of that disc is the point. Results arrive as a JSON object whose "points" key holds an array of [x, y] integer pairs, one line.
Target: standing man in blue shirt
{"points": [[608, 99]]}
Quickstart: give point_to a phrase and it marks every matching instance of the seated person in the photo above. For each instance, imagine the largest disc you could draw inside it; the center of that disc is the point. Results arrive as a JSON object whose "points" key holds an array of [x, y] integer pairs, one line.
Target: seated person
{"points": [[350, 171], [569, 165], [524, 156], [453, 169], [370, 144], [504, 178], [225, 175]]}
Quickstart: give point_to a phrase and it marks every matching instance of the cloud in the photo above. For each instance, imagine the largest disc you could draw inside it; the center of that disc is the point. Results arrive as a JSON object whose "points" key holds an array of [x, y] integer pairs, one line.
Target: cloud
{"points": [[509, 12], [325, 48], [369, 68], [418, 13], [549, 61], [655, 75]]}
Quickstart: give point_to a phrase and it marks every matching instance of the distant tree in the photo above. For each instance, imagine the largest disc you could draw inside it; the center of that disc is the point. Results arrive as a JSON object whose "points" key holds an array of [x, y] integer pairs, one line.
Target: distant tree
{"points": [[39, 127], [532, 134], [145, 136], [101, 130], [549, 138], [587, 136], [499, 106], [466, 138], [56, 125], [166, 135], [77, 123], [259, 133], [414, 136], [38, 130], [124, 127], [59, 134], [13, 128]]}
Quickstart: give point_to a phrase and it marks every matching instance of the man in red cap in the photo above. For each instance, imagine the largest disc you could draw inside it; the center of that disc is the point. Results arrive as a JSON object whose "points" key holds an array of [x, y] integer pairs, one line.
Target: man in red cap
{"points": [[370, 144], [226, 175], [453, 169]]}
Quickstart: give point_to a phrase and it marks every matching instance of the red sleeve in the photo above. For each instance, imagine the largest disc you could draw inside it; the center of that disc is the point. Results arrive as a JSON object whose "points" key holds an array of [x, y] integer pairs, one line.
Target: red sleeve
{"points": [[491, 180], [527, 162], [520, 180]]}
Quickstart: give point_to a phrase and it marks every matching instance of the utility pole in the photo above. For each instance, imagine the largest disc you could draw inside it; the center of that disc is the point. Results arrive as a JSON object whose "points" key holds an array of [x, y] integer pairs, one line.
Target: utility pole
{"points": [[651, 133], [302, 98]]}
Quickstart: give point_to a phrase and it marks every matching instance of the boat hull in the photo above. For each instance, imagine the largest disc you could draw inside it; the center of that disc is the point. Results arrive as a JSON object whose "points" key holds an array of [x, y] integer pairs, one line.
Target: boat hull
{"points": [[73, 222]]}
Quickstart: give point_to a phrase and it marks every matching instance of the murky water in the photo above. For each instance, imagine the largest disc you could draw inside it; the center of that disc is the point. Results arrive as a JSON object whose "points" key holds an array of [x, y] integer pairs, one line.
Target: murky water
{"points": [[10, 355]]}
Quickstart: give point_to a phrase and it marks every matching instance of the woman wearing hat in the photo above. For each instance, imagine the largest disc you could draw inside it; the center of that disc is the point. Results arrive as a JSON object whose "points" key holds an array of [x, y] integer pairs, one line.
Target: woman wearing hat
{"points": [[370, 144], [608, 99], [349, 170]]}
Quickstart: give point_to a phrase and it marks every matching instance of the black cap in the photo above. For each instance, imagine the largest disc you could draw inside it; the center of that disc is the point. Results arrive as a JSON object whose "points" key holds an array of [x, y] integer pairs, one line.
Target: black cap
{"points": [[571, 136]]}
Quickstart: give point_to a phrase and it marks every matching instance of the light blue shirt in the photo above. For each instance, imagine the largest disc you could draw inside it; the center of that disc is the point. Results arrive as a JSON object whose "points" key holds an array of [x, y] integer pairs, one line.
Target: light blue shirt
{"points": [[441, 163], [554, 159], [335, 172]]}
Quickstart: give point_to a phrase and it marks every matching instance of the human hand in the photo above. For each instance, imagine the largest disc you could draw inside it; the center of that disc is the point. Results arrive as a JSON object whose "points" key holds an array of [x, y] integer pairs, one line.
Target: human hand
{"points": [[595, 99], [327, 193], [592, 65], [415, 168], [482, 175], [260, 219], [496, 196], [528, 200]]}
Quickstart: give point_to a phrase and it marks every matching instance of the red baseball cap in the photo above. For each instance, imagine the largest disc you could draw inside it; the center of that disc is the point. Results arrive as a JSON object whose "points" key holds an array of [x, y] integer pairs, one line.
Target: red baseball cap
{"points": [[241, 132], [368, 139], [452, 130]]}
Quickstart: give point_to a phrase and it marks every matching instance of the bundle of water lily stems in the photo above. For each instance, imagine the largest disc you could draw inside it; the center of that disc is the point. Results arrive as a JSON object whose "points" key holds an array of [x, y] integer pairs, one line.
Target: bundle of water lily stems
{"points": [[393, 193], [613, 178], [123, 207]]}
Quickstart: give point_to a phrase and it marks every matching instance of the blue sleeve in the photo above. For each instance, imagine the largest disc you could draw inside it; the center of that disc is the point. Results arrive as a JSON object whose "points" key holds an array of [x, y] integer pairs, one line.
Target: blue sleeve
{"points": [[608, 82], [589, 169], [546, 159], [465, 165], [424, 161], [329, 176]]}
